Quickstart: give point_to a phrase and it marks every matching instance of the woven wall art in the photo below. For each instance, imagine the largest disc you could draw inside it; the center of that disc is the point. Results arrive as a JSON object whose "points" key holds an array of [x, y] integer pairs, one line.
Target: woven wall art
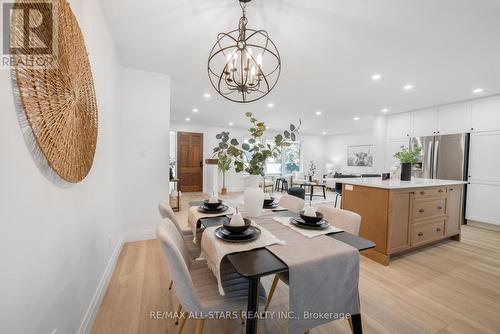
{"points": [[59, 103]]}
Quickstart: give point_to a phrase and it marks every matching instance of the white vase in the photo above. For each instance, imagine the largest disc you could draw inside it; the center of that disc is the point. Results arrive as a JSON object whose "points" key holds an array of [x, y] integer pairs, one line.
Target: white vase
{"points": [[253, 197]]}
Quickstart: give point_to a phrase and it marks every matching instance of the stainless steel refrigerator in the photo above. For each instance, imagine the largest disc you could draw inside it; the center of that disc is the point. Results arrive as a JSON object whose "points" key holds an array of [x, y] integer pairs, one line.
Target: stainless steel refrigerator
{"points": [[443, 157]]}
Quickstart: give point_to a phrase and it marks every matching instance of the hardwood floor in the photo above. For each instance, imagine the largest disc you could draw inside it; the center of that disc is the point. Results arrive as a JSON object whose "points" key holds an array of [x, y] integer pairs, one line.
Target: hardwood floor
{"points": [[451, 287]]}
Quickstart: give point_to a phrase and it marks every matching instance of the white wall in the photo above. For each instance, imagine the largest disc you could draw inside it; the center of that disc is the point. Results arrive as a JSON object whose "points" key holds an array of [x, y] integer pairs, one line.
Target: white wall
{"points": [[336, 151], [54, 244], [144, 149], [313, 148]]}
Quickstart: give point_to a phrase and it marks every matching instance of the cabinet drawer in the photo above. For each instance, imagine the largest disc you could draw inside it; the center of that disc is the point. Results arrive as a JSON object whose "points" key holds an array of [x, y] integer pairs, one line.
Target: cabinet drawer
{"points": [[424, 209], [427, 232], [430, 192]]}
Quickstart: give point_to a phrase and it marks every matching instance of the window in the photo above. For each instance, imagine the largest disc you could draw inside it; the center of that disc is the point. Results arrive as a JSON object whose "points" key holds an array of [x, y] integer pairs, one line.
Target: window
{"points": [[287, 162], [273, 165], [291, 158]]}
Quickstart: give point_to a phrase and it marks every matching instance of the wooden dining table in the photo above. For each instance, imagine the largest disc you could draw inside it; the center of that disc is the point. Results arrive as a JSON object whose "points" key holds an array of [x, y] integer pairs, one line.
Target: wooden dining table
{"points": [[258, 263]]}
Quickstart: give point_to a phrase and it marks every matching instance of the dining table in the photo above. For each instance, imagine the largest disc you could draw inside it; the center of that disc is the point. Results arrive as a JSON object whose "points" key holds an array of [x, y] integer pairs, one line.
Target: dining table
{"points": [[257, 263]]}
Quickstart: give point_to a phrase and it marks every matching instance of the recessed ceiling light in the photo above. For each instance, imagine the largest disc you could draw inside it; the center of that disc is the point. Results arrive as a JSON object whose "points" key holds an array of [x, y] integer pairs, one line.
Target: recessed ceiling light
{"points": [[195, 110], [270, 105], [188, 119], [324, 133], [385, 110], [376, 77], [356, 118], [408, 87], [477, 90], [231, 123], [207, 95], [267, 127], [318, 113]]}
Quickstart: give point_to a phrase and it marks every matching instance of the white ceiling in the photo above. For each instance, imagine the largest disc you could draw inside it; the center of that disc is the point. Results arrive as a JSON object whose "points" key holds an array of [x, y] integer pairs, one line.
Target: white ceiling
{"points": [[329, 51]]}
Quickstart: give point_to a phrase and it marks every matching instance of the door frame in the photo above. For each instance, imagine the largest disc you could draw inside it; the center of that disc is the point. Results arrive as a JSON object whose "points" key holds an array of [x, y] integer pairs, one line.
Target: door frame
{"points": [[179, 169]]}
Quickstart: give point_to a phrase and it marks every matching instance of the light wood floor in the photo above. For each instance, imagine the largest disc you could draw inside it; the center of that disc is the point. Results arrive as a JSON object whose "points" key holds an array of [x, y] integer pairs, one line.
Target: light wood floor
{"points": [[452, 287]]}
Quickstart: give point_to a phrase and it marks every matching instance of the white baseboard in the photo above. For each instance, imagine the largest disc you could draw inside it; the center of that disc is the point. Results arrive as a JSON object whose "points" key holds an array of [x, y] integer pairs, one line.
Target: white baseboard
{"points": [[95, 303], [140, 235]]}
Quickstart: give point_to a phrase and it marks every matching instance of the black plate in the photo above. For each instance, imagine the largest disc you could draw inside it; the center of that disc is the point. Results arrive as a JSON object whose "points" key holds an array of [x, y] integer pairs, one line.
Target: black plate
{"points": [[272, 206], [250, 234], [220, 209], [300, 223]]}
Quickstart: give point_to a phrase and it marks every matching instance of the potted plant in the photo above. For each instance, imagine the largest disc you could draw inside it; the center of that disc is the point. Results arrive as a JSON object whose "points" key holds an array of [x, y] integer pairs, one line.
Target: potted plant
{"points": [[224, 164], [407, 158], [311, 171], [251, 157]]}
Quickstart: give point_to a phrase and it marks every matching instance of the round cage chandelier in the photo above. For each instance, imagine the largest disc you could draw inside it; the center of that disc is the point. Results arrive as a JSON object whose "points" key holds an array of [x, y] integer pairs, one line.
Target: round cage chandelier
{"points": [[244, 65]]}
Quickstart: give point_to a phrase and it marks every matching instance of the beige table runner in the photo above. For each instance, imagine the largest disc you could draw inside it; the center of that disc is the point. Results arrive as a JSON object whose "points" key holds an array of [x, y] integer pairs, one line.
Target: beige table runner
{"points": [[305, 232], [194, 216], [214, 249], [323, 276]]}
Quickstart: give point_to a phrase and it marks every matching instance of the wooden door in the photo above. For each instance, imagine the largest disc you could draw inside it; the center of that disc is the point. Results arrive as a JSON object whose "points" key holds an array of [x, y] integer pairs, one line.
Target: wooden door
{"points": [[190, 161]]}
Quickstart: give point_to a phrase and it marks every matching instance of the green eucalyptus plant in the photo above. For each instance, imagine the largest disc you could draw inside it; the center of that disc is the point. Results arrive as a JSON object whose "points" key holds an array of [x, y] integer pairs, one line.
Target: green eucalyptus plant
{"points": [[407, 156], [258, 152]]}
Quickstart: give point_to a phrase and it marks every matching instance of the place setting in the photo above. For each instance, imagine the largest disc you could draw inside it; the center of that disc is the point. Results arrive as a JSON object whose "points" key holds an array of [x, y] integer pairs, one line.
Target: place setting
{"points": [[237, 229], [309, 223]]}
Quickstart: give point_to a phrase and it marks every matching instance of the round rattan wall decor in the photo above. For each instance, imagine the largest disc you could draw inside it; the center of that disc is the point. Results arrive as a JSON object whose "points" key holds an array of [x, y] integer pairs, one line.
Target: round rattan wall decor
{"points": [[59, 102]]}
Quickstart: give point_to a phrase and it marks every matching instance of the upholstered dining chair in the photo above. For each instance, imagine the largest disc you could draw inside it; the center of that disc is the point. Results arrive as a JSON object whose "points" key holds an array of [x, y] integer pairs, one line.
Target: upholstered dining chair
{"points": [[346, 220], [196, 286], [343, 219], [187, 236], [291, 203]]}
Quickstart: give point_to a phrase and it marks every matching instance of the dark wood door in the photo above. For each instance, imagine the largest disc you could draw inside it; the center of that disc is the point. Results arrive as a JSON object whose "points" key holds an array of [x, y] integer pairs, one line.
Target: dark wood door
{"points": [[190, 161]]}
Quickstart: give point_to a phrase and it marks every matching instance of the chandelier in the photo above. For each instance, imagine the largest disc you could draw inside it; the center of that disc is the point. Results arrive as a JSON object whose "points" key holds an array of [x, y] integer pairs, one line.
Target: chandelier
{"points": [[244, 64]]}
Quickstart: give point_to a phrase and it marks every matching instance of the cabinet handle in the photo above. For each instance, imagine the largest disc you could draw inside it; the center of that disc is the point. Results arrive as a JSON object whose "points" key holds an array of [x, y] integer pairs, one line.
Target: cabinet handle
{"points": [[421, 210], [420, 234], [422, 193], [440, 207], [451, 189], [440, 190], [438, 229]]}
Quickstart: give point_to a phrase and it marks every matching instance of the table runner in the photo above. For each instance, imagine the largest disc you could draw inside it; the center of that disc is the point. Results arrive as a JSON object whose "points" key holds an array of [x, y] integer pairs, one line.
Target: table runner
{"points": [[305, 232], [323, 275], [213, 250], [323, 272], [194, 216]]}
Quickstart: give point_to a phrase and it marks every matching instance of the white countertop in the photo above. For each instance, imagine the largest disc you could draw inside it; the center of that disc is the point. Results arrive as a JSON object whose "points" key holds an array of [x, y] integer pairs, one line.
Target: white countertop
{"points": [[377, 182]]}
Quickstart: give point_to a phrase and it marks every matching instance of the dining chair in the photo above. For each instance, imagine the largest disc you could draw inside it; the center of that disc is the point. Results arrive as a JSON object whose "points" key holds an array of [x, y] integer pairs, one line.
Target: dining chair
{"points": [[196, 286], [291, 203], [346, 220], [194, 250], [267, 182], [187, 235]]}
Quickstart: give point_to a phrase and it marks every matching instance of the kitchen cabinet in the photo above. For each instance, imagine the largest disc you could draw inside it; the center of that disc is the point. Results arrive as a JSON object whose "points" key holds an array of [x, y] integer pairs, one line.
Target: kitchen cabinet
{"points": [[452, 119], [399, 217], [399, 126], [424, 123], [485, 114], [454, 209], [484, 178]]}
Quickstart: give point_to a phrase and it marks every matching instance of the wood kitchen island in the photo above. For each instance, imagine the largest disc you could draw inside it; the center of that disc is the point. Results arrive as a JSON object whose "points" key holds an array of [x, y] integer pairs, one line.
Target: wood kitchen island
{"points": [[400, 216]]}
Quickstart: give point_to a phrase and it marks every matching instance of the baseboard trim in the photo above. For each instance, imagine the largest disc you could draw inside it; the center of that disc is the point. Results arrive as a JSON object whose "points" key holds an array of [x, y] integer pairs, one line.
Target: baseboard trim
{"points": [[140, 235], [95, 303], [485, 226]]}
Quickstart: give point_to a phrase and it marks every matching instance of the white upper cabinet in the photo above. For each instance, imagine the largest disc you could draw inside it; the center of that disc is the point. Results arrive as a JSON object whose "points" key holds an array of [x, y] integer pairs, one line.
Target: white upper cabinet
{"points": [[399, 125], [424, 122], [485, 114], [453, 119]]}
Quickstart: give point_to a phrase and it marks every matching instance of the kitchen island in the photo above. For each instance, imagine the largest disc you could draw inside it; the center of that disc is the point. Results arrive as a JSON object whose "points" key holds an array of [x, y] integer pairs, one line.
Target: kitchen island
{"points": [[400, 216]]}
